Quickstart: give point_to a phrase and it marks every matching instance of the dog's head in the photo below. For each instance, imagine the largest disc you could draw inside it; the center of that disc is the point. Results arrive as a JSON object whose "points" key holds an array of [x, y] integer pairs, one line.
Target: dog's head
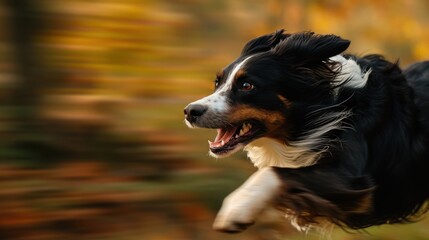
{"points": [[262, 93]]}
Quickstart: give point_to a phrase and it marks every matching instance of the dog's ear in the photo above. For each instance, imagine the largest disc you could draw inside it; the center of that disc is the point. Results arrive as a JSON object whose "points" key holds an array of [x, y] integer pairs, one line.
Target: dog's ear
{"points": [[308, 47], [264, 43]]}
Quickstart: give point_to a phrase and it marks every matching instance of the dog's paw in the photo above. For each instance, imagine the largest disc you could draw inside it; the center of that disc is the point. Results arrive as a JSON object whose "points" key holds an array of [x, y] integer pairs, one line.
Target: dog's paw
{"points": [[233, 218], [230, 227], [241, 208]]}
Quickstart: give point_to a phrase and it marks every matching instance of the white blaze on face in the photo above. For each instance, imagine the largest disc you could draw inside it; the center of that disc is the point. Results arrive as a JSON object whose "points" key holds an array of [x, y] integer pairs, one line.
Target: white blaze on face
{"points": [[218, 101], [230, 80]]}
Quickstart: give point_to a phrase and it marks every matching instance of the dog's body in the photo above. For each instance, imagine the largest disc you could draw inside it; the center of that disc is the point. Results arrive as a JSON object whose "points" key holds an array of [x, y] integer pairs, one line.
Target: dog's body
{"points": [[336, 138]]}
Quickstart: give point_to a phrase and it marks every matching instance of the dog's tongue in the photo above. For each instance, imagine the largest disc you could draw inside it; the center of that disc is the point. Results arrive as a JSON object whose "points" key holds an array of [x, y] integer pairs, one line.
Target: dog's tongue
{"points": [[223, 136]]}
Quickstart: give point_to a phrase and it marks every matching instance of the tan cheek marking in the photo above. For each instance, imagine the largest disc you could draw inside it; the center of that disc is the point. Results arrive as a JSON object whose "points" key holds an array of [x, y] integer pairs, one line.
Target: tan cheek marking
{"points": [[271, 119]]}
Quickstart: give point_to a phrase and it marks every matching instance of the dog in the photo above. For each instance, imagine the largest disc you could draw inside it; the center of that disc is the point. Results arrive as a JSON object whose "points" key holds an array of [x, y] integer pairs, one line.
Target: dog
{"points": [[337, 139]]}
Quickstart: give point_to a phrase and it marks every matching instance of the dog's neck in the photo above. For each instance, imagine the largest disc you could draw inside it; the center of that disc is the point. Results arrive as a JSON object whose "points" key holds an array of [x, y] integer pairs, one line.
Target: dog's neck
{"points": [[267, 152], [350, 73]]}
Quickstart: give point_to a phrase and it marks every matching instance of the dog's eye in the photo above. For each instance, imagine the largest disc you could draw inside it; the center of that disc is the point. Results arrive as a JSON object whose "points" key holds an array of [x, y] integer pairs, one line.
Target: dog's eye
{"points": [[246, 86], [216, 83]]}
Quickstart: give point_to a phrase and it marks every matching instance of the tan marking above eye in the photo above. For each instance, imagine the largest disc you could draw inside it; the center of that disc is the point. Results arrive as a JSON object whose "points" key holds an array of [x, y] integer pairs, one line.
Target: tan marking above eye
{"points": [[220, 74], [241, 73]]}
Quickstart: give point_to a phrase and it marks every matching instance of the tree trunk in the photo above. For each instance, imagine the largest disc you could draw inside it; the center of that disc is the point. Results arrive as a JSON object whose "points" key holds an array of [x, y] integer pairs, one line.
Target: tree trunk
{"points": [[25, 24]]}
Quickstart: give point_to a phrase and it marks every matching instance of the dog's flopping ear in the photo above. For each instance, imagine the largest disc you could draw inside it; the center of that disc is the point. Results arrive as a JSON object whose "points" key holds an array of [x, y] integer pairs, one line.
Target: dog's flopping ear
{"points": [[308, 47], [264, 43]]}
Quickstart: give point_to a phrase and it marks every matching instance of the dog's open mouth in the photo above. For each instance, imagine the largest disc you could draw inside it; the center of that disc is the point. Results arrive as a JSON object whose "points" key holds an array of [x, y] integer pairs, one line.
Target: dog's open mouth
{"points": [[232, 138]]}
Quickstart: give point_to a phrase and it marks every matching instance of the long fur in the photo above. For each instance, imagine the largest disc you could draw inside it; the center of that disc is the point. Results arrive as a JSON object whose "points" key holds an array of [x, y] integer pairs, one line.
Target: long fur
{"points": [[352, 145]]}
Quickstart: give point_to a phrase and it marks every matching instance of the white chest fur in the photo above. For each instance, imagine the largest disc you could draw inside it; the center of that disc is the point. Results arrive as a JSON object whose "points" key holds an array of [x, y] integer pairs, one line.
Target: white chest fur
{"points": [[266, 152]]}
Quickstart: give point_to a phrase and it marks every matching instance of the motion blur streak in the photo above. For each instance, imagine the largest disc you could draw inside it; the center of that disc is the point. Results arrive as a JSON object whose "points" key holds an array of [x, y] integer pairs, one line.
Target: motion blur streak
{"points": [[92, 141]]}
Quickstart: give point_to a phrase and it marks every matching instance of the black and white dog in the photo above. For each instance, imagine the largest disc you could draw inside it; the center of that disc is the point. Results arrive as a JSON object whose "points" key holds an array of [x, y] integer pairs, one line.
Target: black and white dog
{"points": [[336, 138]]}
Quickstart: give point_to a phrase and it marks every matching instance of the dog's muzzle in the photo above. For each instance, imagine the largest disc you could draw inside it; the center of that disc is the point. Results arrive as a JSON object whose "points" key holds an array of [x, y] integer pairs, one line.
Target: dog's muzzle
{"points": [[194, 111]]}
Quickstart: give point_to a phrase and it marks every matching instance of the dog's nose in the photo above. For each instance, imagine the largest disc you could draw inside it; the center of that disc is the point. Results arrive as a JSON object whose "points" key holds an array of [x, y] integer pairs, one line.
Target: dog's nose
{"points": [[193, 111]]}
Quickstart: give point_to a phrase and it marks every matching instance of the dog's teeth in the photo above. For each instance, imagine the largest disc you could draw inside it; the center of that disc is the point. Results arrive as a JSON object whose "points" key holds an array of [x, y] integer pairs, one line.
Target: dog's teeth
{"points": [[222, 143], [210, 142], [245, 130], [236, 136]]}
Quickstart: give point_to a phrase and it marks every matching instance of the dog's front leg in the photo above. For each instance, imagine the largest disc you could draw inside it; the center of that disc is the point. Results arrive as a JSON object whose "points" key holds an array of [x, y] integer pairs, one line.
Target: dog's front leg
{"points": [[241, 207]]}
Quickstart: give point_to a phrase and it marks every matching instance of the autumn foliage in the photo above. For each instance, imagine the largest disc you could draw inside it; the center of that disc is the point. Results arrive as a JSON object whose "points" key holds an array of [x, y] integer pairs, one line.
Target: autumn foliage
{"points": [[92, 140]]}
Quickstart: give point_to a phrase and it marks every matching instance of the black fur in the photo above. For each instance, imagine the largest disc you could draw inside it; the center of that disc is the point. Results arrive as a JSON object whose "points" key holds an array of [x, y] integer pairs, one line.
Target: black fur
{"points": [[373, 167], [376, 169]]}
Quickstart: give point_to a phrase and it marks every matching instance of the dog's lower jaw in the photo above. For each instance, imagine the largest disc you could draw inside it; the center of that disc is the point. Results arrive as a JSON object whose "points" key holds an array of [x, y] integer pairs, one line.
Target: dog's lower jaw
{"points": [[227, 154], [240, 209]]}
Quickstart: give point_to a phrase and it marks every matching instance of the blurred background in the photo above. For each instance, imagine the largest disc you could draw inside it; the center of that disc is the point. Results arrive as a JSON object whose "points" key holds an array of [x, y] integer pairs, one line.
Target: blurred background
{"points": [[92, 139]]}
